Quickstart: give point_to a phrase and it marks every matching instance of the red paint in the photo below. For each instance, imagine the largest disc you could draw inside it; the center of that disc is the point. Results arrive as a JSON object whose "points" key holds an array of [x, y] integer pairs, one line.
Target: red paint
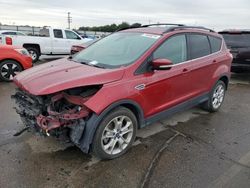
{"points": [[158, 63], [163, 88], [8, 40], [8, 52]]}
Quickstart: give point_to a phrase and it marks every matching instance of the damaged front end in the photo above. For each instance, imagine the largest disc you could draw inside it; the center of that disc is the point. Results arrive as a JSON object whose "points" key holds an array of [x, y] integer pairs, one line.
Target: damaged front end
{"points": [[62, 115]]}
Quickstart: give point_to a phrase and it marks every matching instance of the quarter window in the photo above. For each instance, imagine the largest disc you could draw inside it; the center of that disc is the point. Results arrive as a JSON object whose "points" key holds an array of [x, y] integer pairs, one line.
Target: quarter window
{"points": [[58, 33], [215, 44], [174, 49], [198, 46]]}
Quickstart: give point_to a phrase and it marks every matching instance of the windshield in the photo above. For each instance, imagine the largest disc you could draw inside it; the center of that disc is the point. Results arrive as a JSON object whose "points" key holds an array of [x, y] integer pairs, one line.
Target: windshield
{"points": [[116, 50]]}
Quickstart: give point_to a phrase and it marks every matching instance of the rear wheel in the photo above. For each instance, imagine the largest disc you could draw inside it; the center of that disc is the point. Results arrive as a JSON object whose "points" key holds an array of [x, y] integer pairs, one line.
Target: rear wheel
{"points": [[8, 69], [34, 53], [216, 97], [115, 134]]}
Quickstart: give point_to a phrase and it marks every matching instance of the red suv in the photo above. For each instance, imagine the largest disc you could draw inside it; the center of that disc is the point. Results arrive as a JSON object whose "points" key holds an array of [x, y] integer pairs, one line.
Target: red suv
{"points": [[98, 98]]}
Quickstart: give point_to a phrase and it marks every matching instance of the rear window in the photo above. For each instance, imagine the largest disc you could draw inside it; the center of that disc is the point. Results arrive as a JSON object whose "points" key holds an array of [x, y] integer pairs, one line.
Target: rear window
{"points": [[44, 32], [215, 44], [199, 46], [237, 39]]}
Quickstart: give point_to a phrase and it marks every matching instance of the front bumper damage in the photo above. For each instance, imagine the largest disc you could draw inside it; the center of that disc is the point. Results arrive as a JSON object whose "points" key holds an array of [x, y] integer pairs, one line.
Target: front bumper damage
{"points": [[61, 115]]}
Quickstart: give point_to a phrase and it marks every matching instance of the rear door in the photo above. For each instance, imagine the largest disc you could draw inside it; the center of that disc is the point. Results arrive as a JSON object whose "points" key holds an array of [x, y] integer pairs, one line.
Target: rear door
{"points": [[59, 43], [203, 58]]}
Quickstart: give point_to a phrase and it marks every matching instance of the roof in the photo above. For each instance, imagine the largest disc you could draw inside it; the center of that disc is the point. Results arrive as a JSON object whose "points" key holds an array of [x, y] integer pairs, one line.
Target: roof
{"points": [[151, 30], [160, 29]]}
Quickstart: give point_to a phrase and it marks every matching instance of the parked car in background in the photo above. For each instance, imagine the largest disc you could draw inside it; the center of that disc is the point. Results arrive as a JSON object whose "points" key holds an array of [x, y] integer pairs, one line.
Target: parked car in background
{"points": [[238, 41], [50, 42], [80, 47], [94, 37], [13, 60], [99, 97], [10, 32]]}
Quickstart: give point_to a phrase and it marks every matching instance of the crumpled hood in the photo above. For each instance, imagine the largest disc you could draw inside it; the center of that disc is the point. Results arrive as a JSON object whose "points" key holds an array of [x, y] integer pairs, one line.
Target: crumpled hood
{"points": [[63, 74]]}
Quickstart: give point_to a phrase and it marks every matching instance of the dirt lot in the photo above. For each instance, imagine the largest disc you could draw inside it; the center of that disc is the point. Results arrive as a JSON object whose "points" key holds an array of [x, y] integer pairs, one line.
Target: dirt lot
{"points": [[191, 149]]}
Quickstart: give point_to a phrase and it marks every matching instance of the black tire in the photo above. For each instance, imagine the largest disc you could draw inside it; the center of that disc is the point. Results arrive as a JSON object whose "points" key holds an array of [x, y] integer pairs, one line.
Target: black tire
{"points": [[98, 143], [34, 53], [8, 69], [209, 105]]}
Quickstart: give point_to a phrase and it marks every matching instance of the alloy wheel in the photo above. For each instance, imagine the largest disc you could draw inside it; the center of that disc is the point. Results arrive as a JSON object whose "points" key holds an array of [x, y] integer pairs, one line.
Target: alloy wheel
{"points": [[33, 54], [218, 96], [117, 135], [9, 70]]}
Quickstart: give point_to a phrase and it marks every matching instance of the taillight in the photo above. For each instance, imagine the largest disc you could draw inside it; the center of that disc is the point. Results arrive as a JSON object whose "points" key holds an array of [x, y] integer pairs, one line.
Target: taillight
{"points": [[8, 40]]}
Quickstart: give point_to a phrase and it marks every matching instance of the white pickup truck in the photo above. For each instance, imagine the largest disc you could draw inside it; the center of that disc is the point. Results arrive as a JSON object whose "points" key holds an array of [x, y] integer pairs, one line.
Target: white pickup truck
{"points": [[49, 42]]}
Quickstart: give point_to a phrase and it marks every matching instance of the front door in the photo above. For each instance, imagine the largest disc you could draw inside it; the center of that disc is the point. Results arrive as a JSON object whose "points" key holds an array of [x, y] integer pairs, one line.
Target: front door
{"points": [[167, 88]]}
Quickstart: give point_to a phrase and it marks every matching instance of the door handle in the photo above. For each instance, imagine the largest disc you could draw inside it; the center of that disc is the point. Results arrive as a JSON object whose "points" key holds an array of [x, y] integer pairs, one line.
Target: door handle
{"points": [[214, 61]]}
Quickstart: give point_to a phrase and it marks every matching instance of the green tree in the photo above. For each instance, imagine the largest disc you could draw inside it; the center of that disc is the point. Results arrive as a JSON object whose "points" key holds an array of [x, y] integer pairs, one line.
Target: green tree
{"points": [[135, 25], [110, 28]]}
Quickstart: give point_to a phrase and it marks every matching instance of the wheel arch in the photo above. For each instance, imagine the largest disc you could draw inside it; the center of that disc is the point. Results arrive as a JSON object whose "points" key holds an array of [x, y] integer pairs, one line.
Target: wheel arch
{"points": [[225, 79], [37, 46], [93, 122], [2, 60]]}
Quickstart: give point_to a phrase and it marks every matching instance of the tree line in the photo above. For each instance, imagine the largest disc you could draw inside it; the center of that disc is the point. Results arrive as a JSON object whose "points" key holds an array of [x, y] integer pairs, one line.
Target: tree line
{"points": [[111, 27]]}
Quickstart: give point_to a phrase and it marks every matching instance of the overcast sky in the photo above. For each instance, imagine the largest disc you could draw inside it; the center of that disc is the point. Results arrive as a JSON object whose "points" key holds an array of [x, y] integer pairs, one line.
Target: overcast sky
{"points": [[216, 14]]}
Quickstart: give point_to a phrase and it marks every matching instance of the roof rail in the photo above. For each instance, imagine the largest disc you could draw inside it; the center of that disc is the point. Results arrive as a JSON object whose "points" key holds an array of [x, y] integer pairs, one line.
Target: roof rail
{"points": [[188, 27], [159, 24], [171, 27]]}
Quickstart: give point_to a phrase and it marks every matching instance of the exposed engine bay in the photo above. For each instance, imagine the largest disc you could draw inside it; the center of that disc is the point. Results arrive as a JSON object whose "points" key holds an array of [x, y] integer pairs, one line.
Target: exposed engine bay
{"points": [[62, 115]]}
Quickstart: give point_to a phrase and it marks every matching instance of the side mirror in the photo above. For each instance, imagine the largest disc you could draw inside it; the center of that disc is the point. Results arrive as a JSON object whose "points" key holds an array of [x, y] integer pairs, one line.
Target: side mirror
{"points": [[162, 64]]}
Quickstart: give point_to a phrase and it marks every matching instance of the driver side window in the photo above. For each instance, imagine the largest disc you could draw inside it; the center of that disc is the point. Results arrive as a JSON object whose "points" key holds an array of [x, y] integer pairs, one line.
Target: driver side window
{"points": [[174, 49]]}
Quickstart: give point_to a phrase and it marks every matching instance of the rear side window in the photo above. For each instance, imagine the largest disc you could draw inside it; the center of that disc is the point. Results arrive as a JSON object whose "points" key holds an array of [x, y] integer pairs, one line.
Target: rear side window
{"points": [[198, 46], [174, 49], [215, 44], [58, 33]]}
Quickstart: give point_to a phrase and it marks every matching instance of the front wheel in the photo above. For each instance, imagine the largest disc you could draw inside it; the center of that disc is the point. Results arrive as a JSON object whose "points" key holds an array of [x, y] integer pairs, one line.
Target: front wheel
{"points": [[115, 134], [9, 69], [216, 97]]}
